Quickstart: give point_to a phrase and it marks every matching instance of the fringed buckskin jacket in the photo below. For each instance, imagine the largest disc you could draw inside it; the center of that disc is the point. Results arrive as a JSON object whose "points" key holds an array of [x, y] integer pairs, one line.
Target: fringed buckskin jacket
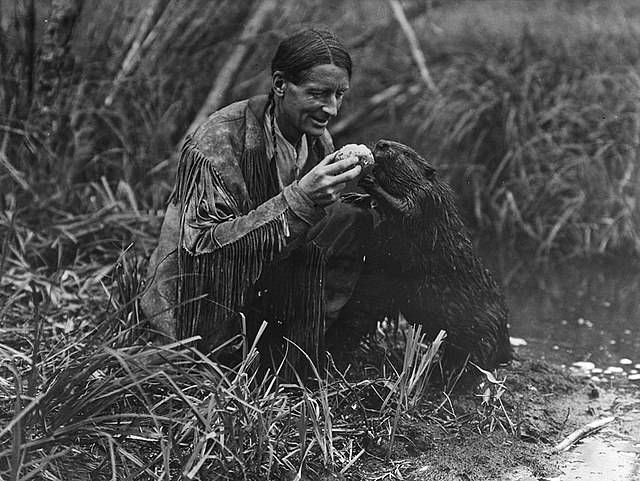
{"points": [[232, 241]]}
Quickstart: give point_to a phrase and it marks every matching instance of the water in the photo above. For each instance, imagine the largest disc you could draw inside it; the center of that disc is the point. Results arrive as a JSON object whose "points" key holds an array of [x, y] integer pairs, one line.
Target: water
{"points": [[580, 311], [601, 459], [586, 316]]}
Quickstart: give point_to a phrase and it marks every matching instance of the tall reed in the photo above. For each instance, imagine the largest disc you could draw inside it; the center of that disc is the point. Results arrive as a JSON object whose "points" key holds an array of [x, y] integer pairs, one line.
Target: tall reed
{"points": [[541, 143], [535, 120]]}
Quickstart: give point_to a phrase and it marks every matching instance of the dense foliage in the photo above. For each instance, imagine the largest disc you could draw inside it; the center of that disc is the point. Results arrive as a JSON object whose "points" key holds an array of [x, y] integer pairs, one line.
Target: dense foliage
{"points": [[534, 117]]}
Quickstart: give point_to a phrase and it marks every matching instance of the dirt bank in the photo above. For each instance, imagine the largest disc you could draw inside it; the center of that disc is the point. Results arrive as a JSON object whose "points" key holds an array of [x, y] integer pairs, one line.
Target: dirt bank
{"points": [[510, 437]]}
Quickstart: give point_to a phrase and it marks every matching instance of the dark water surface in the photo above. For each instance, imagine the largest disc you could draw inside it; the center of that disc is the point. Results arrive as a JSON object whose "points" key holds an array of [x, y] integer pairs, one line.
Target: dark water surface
{"points": [[576, 311], [585, 315]]}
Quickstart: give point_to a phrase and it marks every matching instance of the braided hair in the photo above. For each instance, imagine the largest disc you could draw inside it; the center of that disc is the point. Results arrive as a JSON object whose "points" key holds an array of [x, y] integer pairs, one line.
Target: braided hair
{"points": [[308, 48]]}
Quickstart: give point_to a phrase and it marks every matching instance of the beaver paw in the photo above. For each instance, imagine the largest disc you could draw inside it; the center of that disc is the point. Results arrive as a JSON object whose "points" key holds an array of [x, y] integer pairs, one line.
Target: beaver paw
{"points": [[399, 205], [364, 201]]}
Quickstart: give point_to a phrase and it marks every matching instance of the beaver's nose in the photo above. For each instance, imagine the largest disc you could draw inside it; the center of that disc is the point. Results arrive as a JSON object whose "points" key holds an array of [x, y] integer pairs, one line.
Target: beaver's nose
{"points": [[382, 144], [381, 149]]}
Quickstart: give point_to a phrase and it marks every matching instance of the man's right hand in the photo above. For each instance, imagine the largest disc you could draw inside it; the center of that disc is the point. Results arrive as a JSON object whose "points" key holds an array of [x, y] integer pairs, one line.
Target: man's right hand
{"points": [[326, 181]]}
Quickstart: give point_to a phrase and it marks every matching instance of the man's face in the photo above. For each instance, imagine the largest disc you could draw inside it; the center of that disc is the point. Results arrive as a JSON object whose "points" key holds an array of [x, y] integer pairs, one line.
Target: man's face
{"points": [[307, 107]]}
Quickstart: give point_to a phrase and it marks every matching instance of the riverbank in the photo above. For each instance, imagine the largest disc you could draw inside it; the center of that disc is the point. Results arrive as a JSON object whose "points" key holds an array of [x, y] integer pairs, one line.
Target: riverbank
{"points": [[83, 400], [546, 403], [67, 335]]}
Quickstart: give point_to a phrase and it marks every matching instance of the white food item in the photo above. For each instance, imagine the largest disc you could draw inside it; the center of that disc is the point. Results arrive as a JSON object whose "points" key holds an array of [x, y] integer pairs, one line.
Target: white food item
{"points": [[361, 151]]}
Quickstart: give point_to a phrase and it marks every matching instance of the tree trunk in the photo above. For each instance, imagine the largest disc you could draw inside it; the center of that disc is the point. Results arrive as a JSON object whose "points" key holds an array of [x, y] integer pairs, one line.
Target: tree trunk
{"points": [[53, 74], [145, 24], [414, 45], [30, 43]]}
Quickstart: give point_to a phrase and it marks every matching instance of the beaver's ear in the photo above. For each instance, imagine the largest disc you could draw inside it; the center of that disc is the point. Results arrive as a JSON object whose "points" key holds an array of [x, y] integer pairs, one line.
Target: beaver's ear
{"points": [[428, 170]]}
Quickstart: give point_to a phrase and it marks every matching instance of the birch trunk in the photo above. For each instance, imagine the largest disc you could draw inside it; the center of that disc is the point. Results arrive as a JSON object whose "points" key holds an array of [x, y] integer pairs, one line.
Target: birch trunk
{"points": [[414, 45], [145, 23]]}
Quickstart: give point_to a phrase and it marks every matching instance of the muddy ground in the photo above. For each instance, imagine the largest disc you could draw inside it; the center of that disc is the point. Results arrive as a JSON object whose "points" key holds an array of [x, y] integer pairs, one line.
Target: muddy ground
{"points": [[470, 440]]}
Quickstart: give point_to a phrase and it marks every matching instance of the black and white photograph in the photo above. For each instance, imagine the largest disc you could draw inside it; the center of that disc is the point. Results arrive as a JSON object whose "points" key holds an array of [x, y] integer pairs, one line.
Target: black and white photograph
{"points": [[314, 240]]}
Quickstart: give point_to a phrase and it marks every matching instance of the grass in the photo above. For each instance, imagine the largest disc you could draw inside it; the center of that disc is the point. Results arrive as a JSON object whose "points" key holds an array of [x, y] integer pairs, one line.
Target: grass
{"points": [[100, 406], [535, 122], [529, 174], [82, 395]]}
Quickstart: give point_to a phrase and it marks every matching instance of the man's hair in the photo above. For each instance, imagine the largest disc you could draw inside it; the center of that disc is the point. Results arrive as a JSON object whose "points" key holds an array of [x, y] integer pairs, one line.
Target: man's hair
{"points": [[309, 48]]}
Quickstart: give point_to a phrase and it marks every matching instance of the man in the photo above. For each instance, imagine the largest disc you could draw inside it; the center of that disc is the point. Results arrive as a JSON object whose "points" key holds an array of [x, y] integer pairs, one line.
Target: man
{"points": [[254, 225]]}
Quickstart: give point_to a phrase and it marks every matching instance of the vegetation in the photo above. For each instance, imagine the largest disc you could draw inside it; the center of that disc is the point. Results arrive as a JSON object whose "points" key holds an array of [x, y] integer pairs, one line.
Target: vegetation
{"points": [[534, 119], [100, 404]]}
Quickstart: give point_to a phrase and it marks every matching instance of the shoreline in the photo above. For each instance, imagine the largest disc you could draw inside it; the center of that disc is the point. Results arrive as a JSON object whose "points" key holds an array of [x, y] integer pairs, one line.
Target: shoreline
{"points": [[547, 403]]}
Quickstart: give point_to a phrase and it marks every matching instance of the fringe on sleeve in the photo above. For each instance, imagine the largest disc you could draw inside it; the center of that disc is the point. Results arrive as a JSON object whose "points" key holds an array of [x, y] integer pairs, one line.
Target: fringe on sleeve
{"points": [[214, 287]]}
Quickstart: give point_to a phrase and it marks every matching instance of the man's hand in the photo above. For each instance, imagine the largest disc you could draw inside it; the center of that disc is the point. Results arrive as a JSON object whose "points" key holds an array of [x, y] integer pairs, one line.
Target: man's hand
{"points": [[325, 182]]}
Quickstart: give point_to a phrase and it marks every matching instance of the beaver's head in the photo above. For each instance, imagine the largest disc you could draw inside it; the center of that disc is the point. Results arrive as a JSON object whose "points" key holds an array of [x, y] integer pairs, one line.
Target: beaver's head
{"points": [[404, 182]]}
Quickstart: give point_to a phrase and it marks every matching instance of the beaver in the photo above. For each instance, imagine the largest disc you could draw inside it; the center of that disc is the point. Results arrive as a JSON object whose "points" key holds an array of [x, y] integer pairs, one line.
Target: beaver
{"points": [[432, 270]]}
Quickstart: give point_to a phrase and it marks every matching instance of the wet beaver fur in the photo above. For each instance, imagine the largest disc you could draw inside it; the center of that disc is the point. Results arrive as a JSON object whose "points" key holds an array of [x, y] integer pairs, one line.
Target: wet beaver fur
{"points": [[432, 270]]}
